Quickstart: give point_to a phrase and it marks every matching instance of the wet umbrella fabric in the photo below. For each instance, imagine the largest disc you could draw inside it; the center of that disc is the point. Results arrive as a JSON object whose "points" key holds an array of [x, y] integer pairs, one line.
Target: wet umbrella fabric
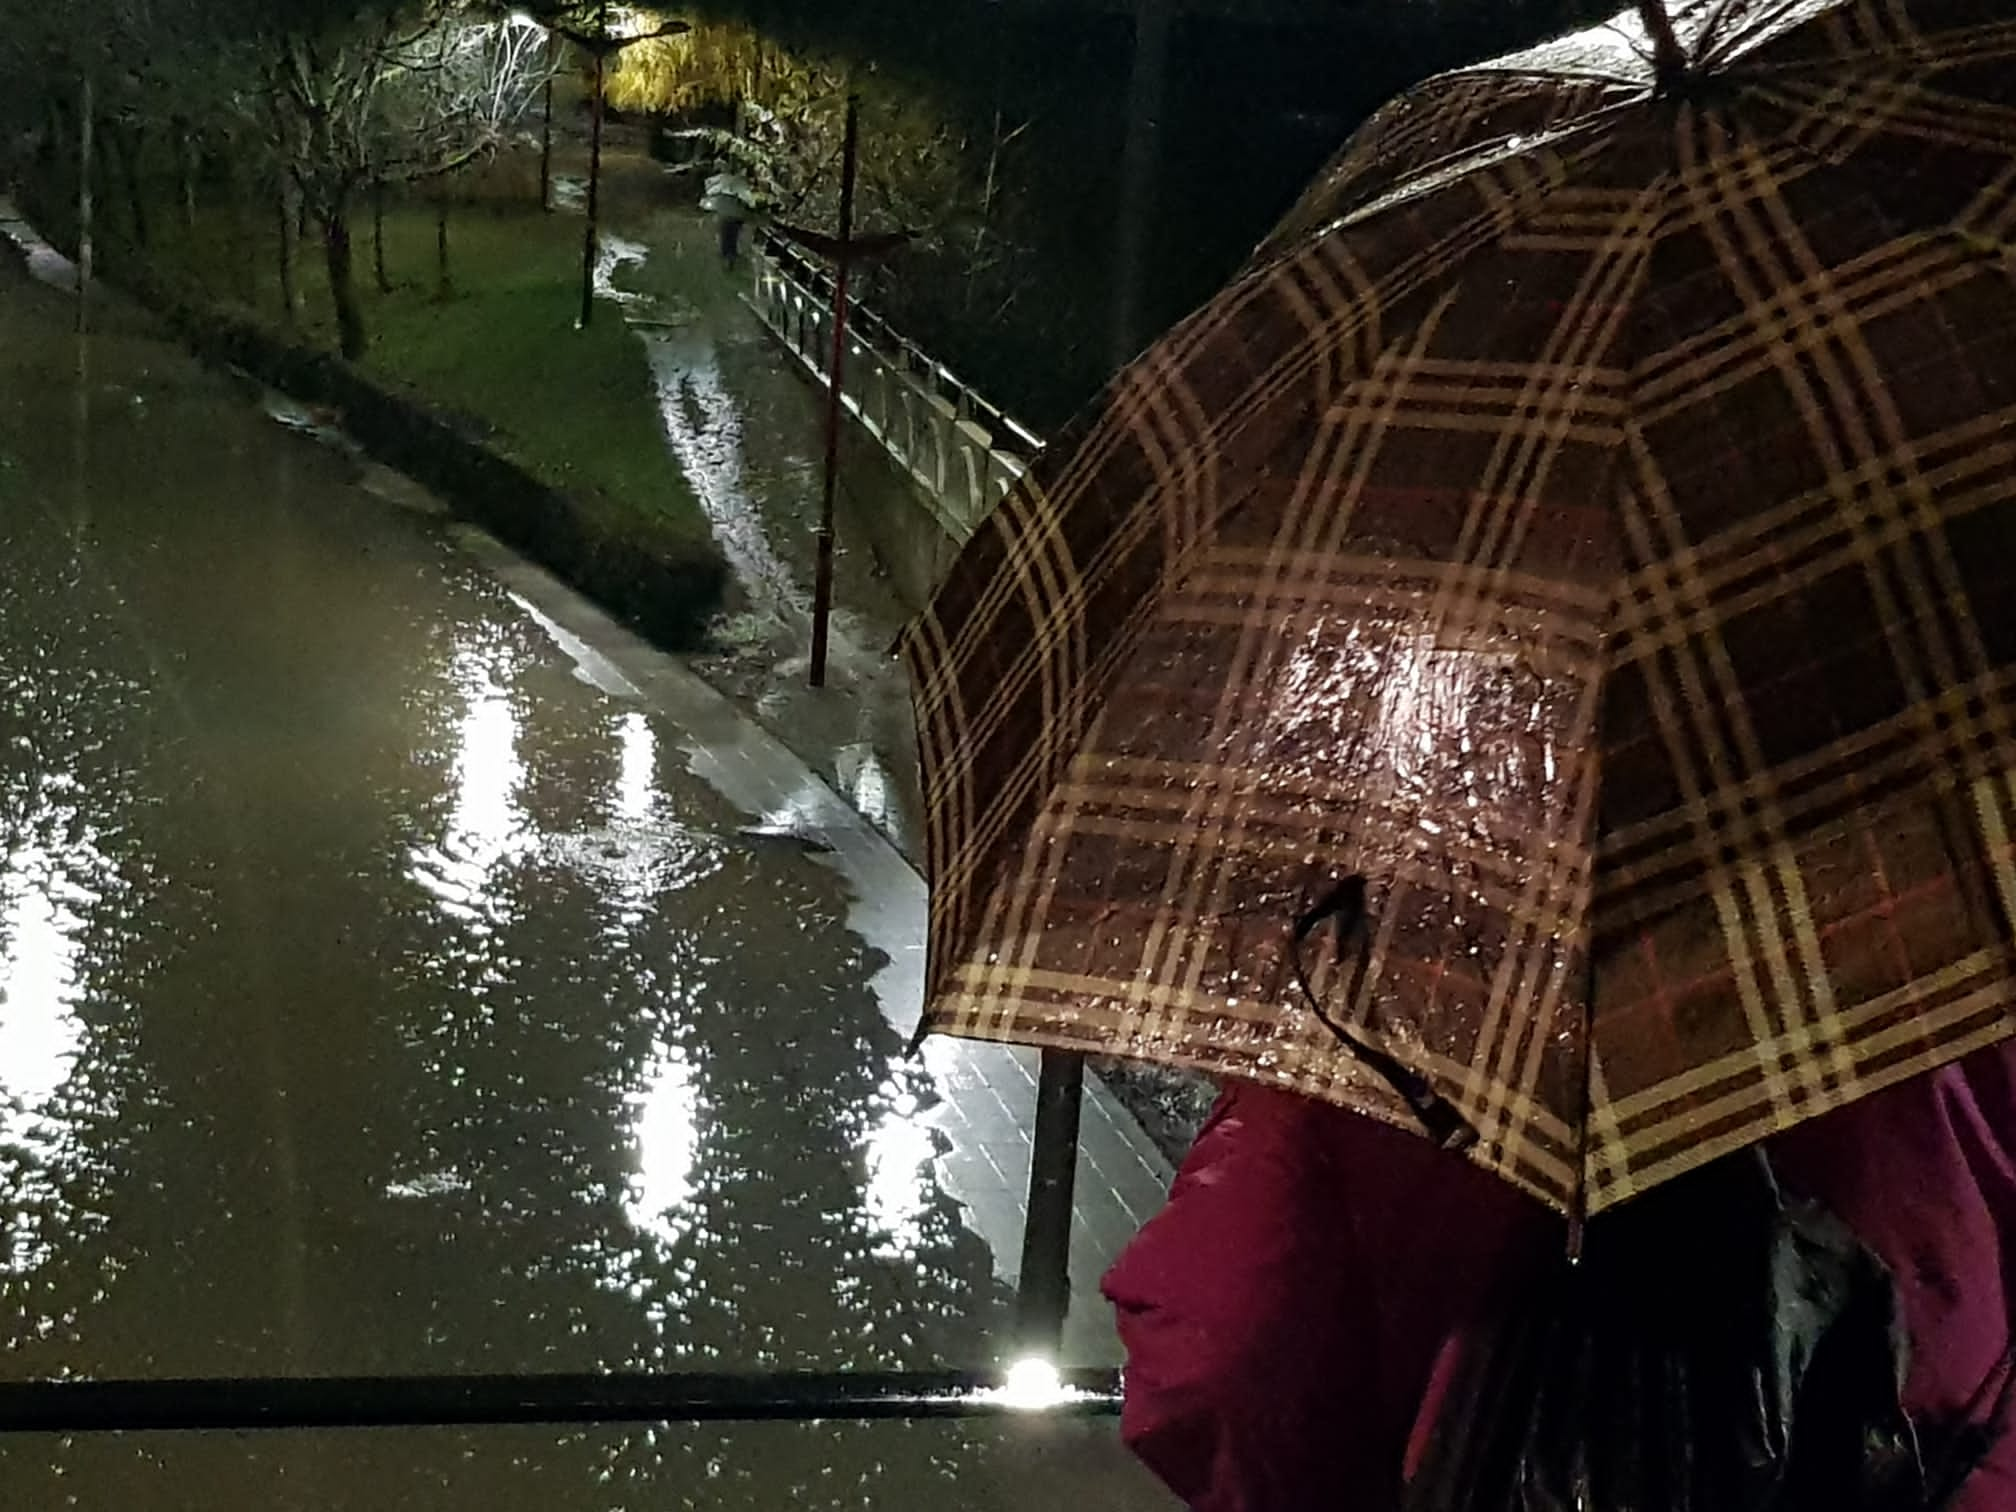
{"points": [[1587, 530], [728, 195]]}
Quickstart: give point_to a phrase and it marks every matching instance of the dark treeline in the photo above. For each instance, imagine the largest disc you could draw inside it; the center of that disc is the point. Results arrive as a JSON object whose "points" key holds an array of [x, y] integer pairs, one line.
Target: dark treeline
{"points": [[1253, 107], [311, 107]]}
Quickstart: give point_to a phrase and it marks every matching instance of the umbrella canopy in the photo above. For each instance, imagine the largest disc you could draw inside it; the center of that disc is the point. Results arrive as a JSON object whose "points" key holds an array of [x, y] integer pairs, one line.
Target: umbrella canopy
{"points": [[1579, 555], [728, 194]]}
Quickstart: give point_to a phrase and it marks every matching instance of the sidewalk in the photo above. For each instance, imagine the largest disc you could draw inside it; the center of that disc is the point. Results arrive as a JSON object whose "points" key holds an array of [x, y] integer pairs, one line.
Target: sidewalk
{"points": [[749, 433]]}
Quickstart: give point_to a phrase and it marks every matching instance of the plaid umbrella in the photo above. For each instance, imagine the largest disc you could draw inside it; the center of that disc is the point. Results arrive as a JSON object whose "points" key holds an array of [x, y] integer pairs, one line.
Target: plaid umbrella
{"points": [[1553, 618]]}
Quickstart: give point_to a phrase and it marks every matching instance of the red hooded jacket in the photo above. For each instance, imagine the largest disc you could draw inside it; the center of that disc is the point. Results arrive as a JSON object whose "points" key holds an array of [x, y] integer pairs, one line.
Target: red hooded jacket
{"points": [[1284, 1314]]}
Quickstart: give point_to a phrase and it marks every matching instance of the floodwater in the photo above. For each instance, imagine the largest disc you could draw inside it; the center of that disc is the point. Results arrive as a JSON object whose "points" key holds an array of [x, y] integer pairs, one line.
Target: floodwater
{"points": [[377, 996]]}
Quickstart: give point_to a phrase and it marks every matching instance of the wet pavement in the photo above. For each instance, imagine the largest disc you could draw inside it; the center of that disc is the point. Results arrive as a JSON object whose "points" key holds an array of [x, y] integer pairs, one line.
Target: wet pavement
{"points": [[384, 990], [746, 428], [749, 433]]}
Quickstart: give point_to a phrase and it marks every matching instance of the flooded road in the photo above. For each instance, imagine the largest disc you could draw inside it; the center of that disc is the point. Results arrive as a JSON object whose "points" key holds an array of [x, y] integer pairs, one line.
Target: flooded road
{"points": [[377, 995]]}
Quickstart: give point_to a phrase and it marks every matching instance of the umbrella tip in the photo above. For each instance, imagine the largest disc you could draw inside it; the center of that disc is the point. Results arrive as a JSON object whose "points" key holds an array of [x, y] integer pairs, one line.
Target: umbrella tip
{"points": [[1669, 58]]}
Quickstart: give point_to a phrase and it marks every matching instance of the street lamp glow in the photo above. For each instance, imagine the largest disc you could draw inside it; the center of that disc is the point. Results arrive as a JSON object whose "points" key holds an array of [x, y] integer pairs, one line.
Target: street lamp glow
{"points": [[1034, 1385]]}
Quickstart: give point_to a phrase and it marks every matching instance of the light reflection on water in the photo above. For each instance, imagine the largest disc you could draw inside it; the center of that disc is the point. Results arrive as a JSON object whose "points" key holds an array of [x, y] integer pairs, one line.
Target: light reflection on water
{"points": [[899, 1197], [636, 789], [704, 429], [45, 900], [665, 1135], [486, 827], [39, 1032], [60, 894]]}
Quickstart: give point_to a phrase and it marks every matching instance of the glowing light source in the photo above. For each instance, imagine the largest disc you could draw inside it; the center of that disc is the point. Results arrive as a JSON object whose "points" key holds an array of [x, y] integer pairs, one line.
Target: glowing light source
{"points": [[1034, 1385]]}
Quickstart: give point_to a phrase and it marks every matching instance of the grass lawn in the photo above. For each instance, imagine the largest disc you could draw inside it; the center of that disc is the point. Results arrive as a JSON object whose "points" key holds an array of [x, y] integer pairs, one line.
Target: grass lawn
{"points": [[576, 408]]}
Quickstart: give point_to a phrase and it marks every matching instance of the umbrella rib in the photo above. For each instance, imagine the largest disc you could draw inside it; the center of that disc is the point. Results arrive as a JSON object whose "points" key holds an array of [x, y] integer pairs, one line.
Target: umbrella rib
{"points": [[1712, 43], [1439, 1118], [1669, 58], [1452, 169]]}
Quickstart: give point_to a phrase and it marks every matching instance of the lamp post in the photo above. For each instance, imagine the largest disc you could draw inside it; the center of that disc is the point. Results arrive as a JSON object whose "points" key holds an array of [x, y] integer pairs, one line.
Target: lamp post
{"points": [[602, 44], [848, 252], [86, 127], [591, 240], [1154, 26], [822, 582]]}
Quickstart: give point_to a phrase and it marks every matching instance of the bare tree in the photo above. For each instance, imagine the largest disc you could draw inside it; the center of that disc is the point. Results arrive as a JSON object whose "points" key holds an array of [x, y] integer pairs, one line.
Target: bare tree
{"points": [[461, 103]]}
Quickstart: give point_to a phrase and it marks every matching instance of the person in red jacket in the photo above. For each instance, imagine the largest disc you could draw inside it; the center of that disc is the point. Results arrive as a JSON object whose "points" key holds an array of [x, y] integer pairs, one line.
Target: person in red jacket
{"points": [[1285, 1315]]}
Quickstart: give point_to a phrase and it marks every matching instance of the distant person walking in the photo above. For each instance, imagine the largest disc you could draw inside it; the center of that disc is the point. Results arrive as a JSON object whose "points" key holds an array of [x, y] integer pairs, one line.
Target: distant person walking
{"points": [[730, 200], [731, 241]]}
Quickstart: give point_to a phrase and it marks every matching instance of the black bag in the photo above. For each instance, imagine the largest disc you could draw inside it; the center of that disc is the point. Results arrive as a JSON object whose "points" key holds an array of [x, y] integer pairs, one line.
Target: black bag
{"points": [[1718, 1349]]}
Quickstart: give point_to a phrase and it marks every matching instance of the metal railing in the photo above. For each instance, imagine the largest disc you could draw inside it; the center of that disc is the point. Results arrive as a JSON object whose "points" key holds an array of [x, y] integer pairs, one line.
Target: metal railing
{"points": [[961, 450], [291, 1404], [965, 454]]}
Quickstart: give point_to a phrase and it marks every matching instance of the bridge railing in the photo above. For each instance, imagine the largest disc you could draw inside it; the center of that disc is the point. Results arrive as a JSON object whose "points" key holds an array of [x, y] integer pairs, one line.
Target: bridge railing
{"points": [[963, 452]]}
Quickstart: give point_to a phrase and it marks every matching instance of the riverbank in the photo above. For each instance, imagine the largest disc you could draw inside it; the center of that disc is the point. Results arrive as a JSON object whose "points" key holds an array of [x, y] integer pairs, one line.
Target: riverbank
{"points": [[496, 359]]}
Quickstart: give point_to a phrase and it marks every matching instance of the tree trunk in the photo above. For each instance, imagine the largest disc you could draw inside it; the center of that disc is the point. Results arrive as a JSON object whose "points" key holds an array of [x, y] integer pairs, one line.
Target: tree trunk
{"points": [[444, 286], [188, 165], [591, 248], [244, 242], [546, 152], [85, 251], [987, 194], [343, 281], [289, 228], [54, 140], [378, 236], [131, 144]]}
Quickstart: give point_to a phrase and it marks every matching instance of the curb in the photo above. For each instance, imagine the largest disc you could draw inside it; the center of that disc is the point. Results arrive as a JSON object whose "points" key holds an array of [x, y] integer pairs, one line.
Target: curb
{"points": [[671, 602]]}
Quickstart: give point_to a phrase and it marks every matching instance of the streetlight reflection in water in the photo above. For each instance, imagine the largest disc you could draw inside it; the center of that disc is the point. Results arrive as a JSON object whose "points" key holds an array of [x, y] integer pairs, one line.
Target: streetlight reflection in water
{"points": [[46, 894]]}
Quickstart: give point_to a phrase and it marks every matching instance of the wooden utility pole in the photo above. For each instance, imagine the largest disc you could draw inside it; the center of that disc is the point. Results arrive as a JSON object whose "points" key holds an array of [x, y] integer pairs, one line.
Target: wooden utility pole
{"points": [[822, 582]]}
